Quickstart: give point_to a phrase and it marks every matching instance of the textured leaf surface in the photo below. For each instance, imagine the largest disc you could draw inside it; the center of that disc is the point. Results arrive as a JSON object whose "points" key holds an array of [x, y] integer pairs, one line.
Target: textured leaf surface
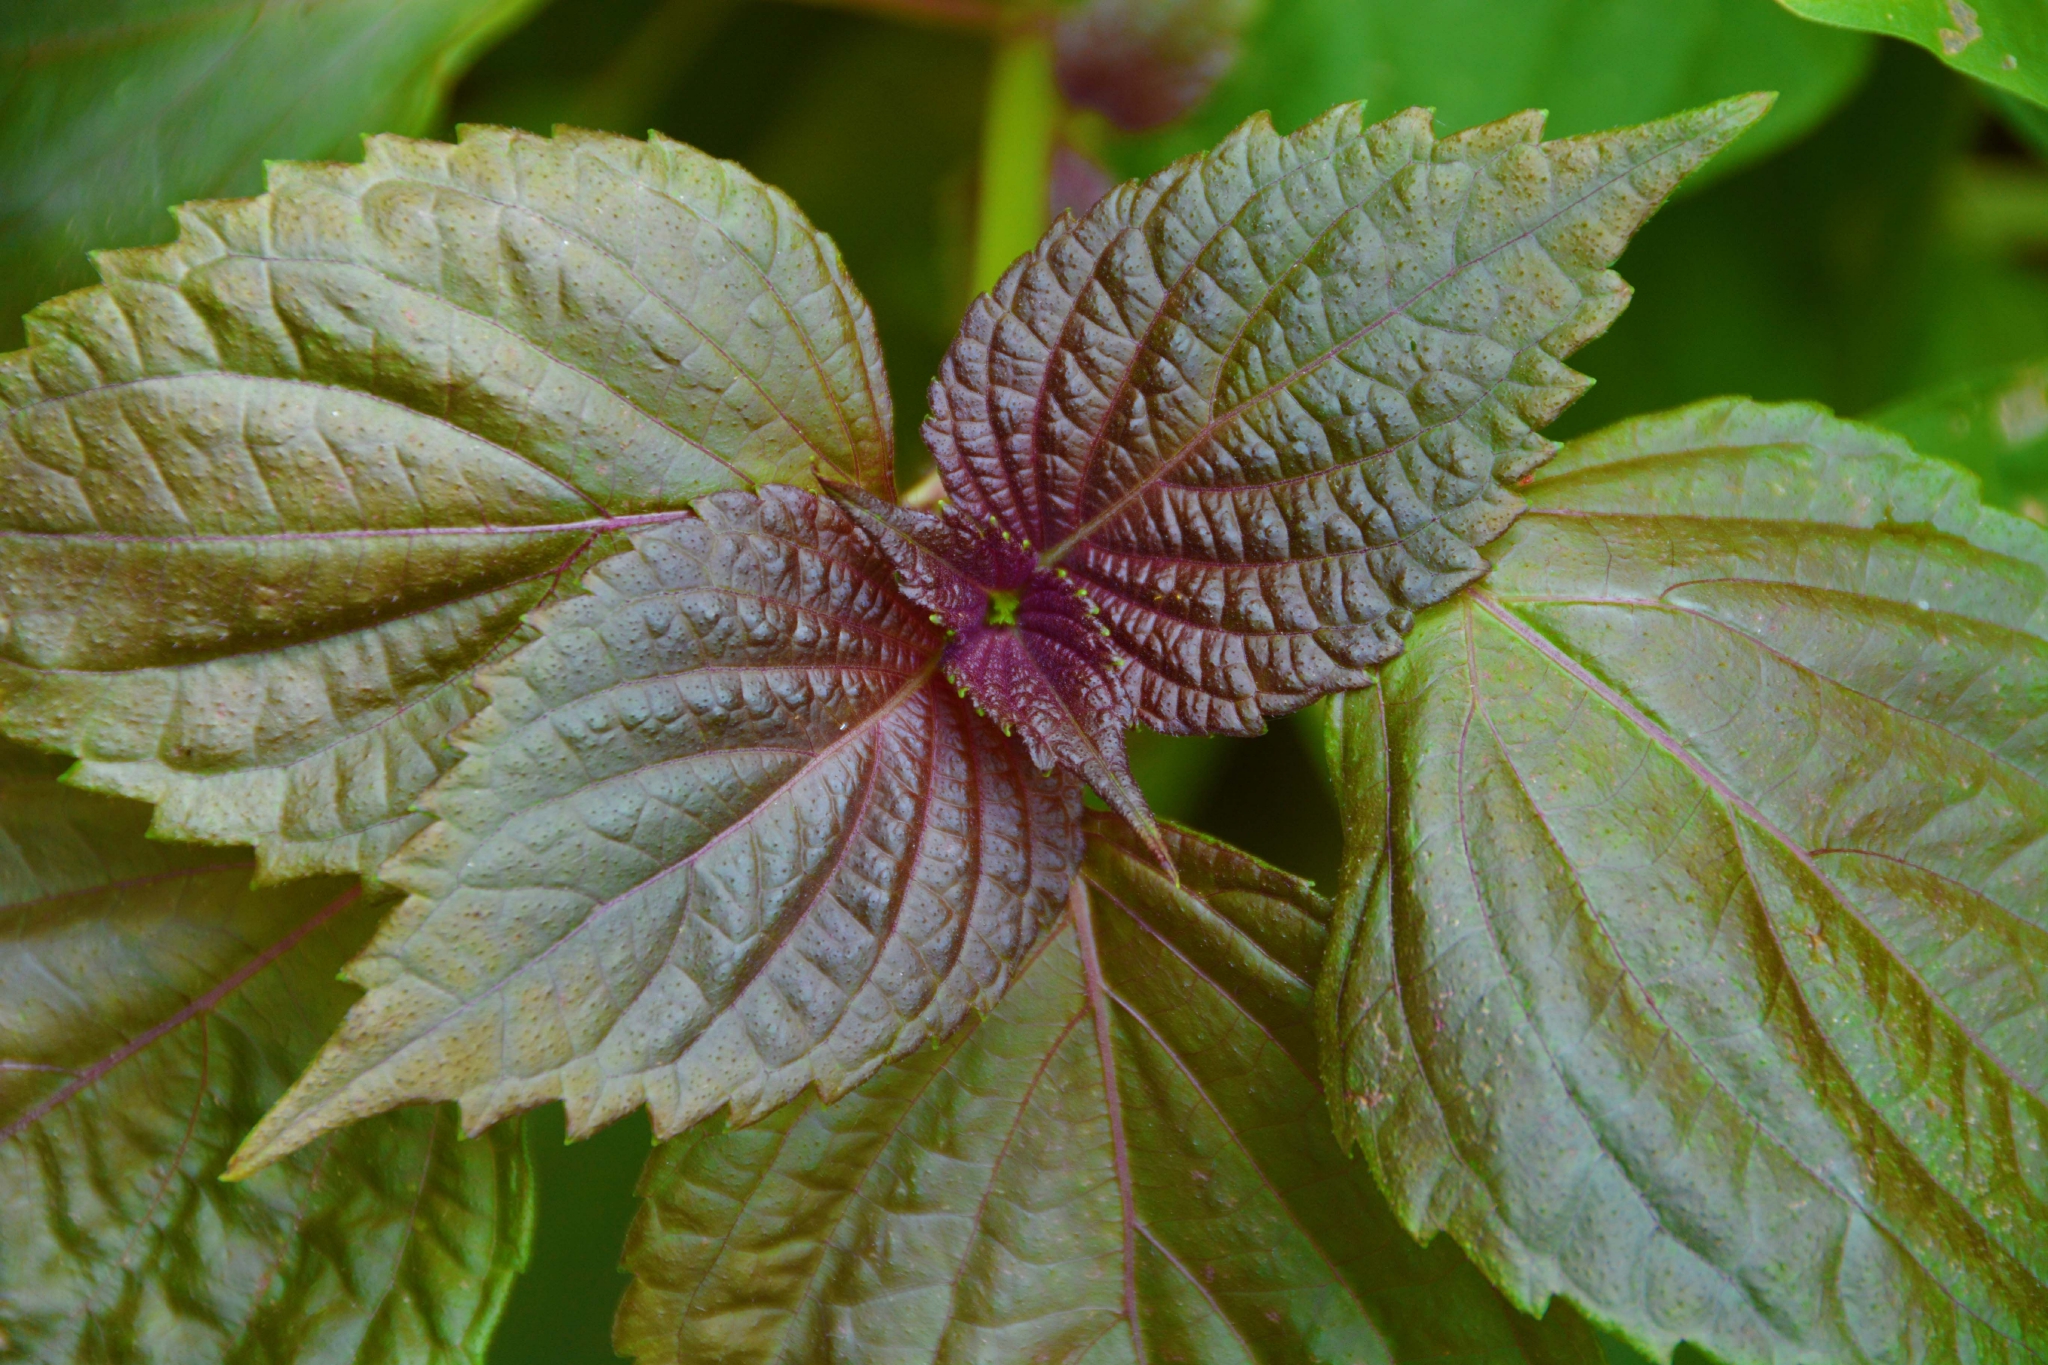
{"points": [[1266, 404], [1995, 426], [151, 1006], [108, 112], [987, 1201], [723, 832], [270, 493], [2004, 42], [1693, 950], [1023, 643]]}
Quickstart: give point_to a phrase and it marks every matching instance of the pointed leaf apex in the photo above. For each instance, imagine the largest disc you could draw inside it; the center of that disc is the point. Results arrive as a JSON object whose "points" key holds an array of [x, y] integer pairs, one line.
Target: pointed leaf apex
{"points": [[1743, 110], [1155, 844], [1123, 796], [1729, 119], [1701, 132], [278, 1135]]}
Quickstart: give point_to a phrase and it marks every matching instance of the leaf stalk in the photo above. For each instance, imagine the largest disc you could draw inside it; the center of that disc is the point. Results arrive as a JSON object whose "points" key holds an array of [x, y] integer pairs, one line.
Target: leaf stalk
{"points": [[1018, 127]]}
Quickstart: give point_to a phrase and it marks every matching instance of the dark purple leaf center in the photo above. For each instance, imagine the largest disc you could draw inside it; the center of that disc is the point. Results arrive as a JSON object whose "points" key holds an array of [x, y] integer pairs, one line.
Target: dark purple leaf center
{"points": [[1024, 643], [1038, 634], [1020, 635]]}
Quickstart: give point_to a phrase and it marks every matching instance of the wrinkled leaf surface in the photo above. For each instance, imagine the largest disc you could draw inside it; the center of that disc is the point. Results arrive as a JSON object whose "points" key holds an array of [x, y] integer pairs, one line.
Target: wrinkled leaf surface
{"points": [[987, 1200], [151, 1007], [1023, 643], [1266, 405], [270, 493], [723, 832], [1692, 958]]}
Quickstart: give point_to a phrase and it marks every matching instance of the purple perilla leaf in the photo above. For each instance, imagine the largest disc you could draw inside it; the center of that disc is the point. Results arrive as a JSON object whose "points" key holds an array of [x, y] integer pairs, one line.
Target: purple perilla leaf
{"points": [[1691, 957], [152, 1005], [1268, 403], [723, 832], [1128, 1160]]}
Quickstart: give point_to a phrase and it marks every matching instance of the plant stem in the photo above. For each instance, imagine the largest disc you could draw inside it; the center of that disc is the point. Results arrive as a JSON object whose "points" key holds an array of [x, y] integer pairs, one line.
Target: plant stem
{"points": [[1016, 153]]}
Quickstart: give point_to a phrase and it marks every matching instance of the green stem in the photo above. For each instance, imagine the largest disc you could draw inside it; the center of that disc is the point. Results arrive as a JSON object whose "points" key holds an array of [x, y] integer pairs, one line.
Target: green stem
{"points": [[1016, 154]]}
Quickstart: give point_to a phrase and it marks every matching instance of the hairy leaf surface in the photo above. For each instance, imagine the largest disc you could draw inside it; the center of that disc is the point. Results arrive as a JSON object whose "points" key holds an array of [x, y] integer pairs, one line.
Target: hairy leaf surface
{"points": [[151, 1006], [989, 1201], [108, 112], [2003, 42], [270, 493], [723, 832], [1692, 959], [1266, 404]]}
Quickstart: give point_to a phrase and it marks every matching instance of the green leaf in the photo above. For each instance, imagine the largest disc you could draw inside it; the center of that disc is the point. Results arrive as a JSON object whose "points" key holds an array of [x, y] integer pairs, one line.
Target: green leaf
{"points": [[989, 1200], [108, 112], [151, 1006], [2002, 42], [724, 832], [1591, 66], [1995, 426], [1692, 957], [271, 493]]}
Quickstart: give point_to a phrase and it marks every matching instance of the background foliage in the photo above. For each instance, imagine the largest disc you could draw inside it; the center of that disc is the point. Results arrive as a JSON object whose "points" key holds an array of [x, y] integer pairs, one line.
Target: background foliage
{"points": [[1879, 244]]}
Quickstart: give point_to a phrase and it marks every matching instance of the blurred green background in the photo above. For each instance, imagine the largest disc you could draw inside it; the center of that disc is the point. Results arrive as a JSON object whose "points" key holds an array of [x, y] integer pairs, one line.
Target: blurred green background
{"points": [[1879, 244]]}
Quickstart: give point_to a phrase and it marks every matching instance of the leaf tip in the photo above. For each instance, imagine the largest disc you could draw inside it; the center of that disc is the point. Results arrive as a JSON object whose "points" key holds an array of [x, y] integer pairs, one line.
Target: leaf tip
{"points": [[286, 1128], [245, 1163], [1146, 827], [1720, 123]]}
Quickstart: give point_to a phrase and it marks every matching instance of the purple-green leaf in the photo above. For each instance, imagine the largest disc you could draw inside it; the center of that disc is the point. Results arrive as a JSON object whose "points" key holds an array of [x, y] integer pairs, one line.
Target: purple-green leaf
{"points": [[1268, 403], [151, 1007], [723, 832], [1692, 957], [269, 494], [1023, 1194], [1022, 641]]}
